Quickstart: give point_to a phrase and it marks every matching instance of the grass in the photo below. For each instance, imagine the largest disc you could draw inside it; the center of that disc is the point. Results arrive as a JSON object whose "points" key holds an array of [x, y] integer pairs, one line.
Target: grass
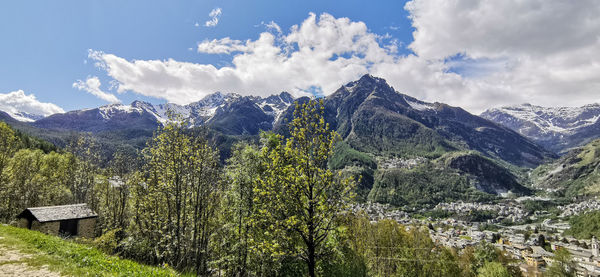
{"points": [[70, 258]]}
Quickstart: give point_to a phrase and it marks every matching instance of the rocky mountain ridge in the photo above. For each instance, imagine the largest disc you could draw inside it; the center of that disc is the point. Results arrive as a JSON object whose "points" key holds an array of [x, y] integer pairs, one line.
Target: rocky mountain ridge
{"points": [[556, 128]]}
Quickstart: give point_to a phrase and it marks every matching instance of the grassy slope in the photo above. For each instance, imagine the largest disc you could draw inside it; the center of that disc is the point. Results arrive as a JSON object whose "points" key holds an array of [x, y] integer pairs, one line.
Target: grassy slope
{"points": [[576, 173], [70, 258]]}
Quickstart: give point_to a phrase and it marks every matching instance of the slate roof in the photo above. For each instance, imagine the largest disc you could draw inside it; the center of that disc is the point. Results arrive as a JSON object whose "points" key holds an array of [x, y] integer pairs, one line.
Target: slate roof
{"points": [[57, 213]]}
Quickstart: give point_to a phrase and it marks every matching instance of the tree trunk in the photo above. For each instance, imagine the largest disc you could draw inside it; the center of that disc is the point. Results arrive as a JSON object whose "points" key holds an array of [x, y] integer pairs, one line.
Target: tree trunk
{"points": [[311, 261]]}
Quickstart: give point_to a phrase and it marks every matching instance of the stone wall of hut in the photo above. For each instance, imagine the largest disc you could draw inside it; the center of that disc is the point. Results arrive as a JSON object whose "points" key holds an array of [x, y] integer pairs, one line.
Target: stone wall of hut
{"points": [[86, 227], [22, 223], [48, 227]]}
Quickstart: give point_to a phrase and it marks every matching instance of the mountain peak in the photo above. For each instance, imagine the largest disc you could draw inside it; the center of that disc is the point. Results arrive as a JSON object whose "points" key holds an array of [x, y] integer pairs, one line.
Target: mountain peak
{"points": [[370, 78], [286, 97], [140, 104]]}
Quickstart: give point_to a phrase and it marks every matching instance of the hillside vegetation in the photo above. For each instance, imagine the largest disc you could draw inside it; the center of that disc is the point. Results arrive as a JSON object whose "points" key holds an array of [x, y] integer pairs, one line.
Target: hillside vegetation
{"points": [[67, 257], [585, 226], [577, 173]]}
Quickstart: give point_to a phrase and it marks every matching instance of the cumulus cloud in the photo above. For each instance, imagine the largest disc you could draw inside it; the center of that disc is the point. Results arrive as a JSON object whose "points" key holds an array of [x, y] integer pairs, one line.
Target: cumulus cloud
{"points": [[498, 28], [214, 15], [25, 107], [273, 26], [221, 46], [321, 52], [473, 54], [548, 48], [92, 86]]}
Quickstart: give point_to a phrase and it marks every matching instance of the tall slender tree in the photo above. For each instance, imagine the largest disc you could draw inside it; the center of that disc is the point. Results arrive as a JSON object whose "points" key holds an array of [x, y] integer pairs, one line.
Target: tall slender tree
{"points": [[299, 197]]}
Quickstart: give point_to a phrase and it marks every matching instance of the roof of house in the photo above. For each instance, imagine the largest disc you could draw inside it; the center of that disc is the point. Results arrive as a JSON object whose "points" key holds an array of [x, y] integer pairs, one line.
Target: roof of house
{"points": [[57, 213]]}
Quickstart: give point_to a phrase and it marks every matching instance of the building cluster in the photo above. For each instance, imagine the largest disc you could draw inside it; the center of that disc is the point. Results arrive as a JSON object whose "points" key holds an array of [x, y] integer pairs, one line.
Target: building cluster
{"points": [[578, 208], [377, 211], [537, 259], [400, 163], [459, 234], [524, 243], [505, 211]]}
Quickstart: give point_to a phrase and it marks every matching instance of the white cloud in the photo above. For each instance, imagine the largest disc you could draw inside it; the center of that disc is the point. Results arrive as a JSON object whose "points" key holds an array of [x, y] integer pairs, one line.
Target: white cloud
{"points": [[221, 46], [19, 105], [322, 52], [505, 56], [497, 28], [549, 48], [272, 26], [92, 86], [214, 15]]}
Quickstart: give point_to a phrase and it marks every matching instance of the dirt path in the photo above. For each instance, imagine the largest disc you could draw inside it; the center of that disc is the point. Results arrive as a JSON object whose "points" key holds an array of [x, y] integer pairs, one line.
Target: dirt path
{"points": [[13, 263]]}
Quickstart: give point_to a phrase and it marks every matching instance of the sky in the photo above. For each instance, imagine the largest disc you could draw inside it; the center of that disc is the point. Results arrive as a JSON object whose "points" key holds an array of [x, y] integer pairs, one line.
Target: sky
{"points": [[58, 56]]}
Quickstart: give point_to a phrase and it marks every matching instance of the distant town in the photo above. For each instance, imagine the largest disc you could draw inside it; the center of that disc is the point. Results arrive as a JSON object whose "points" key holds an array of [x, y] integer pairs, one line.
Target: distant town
{"points": [[529, 238]]}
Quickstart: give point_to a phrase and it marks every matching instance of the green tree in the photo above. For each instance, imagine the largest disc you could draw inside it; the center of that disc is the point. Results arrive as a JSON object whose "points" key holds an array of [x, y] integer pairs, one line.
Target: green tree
{"points": [[24, 187], [299, 198], [84, 164], [563, 265], [9, 144], [493, 269], [8, 147], [178, 201], [241, 172], [35, 179], [113, 192], [484, 252]]}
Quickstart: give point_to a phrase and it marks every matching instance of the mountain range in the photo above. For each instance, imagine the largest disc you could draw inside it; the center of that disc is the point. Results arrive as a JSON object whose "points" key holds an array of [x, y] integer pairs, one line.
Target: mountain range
{"points": [[211, 111], [403, 149], [556, 128]]}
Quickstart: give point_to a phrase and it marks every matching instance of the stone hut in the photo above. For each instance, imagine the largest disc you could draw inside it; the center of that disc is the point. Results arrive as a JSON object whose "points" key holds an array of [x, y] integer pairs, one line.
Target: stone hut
{"points": [[67, 220]]}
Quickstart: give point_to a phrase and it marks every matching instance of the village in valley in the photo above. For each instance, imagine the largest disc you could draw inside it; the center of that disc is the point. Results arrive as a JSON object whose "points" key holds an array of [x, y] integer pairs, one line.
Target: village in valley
{"points": [[529, 238]]}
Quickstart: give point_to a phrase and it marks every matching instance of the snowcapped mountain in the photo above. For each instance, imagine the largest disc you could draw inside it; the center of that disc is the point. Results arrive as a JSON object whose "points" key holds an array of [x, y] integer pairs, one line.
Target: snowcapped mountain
{"points": [[25, 117], [146, 115], [556, 128]]}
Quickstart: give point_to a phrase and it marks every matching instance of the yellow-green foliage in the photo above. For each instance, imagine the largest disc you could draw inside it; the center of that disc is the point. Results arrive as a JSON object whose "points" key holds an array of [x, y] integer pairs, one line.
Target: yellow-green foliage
{"points": [[71, 258], [589, 154], [298, 197], [575, 173]]}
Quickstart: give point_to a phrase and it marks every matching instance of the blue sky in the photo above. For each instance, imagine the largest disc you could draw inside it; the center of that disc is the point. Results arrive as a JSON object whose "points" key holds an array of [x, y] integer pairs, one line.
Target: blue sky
{"points": [[46, 42], [65, 55]]}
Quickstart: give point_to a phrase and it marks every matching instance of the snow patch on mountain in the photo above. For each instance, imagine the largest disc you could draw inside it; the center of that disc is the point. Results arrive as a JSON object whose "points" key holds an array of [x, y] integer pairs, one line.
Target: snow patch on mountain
{"points": [[196, 113], [545, 120], [109, 111], [418, 105], [24, 116]]}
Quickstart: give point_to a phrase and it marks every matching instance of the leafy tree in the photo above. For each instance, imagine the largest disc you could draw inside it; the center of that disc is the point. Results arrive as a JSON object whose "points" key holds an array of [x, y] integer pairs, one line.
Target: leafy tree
{"points": [[493, 269], [238, 206], [84, 164], [113, 192], [298, 196], [8, 145], [484, 253], [34, 179], [178, 199], [585, 226], [563, 265]]}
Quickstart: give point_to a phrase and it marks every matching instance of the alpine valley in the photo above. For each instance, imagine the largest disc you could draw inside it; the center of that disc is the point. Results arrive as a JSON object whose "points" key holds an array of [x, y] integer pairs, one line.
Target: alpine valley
{"points": [[405, 152]]}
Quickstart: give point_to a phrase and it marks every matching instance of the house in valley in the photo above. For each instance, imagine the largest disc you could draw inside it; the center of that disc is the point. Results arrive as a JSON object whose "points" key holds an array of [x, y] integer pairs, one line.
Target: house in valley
{"points": [[66, 220]]}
